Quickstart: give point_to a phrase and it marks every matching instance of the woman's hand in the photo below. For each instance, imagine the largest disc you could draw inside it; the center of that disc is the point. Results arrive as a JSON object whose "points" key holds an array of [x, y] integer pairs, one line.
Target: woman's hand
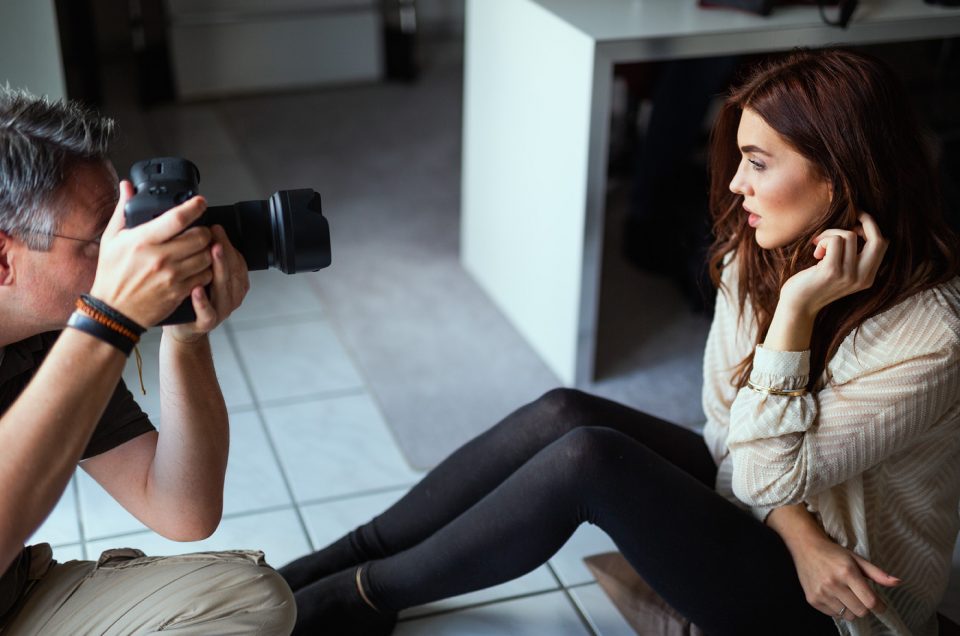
{"points": [[843, 268], [146, 271], [834, 578], [231, 282]]}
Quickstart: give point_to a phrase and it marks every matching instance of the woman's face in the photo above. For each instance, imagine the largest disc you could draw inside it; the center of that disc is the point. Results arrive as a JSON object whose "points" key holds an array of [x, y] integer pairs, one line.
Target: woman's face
{"points": [[783, 194]]}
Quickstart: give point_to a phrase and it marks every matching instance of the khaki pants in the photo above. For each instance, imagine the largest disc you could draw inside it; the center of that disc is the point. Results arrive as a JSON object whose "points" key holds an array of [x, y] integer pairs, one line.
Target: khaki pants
{"points": [[127, 593]]}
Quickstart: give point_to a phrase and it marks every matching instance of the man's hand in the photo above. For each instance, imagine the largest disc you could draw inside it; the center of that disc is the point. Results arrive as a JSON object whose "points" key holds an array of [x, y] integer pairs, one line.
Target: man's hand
{"points": [[231, 282], [146, 271]]}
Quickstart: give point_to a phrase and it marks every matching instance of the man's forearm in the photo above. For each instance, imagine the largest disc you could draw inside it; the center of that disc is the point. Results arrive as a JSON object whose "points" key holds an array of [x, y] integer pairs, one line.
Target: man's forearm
{"points": [[45, 431], [187, 474]]}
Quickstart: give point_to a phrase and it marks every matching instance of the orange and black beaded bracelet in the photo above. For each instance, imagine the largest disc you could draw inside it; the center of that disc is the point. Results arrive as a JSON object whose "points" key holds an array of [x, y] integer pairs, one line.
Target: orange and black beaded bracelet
{"points": [[101, 321], [83, 322], [107, 322], [99, 306]]}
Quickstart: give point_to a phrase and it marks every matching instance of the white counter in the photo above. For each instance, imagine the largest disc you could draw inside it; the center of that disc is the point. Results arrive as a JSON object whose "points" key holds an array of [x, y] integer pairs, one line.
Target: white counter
{"points": [[535, 132]]}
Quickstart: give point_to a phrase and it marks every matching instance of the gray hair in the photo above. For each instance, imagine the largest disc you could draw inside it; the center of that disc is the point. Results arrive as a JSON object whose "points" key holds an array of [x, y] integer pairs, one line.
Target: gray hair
{"points": [[39, 140]]}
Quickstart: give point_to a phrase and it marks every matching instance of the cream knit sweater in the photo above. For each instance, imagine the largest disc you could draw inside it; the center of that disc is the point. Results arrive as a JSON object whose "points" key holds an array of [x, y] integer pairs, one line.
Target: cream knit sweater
{"points": [[874, 454]]}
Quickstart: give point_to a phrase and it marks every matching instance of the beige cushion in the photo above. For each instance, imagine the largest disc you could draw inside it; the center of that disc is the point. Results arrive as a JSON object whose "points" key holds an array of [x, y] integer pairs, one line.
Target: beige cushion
{"points": [[643, 609], [647, 613]]}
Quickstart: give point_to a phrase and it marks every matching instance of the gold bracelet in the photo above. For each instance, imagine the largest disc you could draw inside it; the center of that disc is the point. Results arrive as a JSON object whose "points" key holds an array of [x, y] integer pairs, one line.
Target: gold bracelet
{"points": [[771, 391]]}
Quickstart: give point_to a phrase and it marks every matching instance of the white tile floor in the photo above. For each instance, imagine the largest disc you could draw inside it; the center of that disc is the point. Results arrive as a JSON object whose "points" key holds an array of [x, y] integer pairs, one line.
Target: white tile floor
{"points": [[310, 458]]}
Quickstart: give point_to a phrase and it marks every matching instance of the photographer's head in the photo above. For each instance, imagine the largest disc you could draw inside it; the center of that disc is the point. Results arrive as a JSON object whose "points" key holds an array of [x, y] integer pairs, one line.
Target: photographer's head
{"points": [[57, 193]]}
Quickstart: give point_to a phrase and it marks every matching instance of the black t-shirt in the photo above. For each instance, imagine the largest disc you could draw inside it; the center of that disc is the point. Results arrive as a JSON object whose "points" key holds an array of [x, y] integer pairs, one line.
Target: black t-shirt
{"points": [[122, 420]]}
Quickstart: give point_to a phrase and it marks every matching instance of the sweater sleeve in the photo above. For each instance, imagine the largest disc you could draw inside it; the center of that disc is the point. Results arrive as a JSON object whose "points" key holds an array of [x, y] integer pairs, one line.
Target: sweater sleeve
{"points": [[903, 380]]}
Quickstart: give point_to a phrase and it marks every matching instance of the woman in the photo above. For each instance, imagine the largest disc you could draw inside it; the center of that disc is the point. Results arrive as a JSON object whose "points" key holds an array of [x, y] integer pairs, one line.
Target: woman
{"points": [[831, 389]]}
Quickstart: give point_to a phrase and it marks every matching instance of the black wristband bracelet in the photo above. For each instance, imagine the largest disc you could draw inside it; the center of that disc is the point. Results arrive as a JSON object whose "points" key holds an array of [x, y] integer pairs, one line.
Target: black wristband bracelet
{"points": [[88, 325], [112, 313]]}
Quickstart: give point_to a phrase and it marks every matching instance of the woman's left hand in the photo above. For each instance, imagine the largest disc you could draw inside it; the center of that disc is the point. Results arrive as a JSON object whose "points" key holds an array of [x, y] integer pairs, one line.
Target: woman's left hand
{"points": [[230, 284], [836, 580], [843, 268]]}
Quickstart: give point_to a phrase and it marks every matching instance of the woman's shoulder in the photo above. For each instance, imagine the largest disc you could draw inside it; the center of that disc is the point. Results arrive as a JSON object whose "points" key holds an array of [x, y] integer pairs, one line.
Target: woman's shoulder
{"points": [[924, 324], [939, 304], [934, 310], [947, 295]]}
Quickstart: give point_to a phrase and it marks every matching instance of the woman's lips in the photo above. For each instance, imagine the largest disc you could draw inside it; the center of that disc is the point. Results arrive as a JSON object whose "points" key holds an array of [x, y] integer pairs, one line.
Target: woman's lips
{"points": [[753, 220]]}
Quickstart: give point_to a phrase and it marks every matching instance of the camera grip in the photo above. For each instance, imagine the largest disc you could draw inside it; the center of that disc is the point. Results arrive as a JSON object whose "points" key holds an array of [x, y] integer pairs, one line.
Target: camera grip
{"points": [[182, 314]]}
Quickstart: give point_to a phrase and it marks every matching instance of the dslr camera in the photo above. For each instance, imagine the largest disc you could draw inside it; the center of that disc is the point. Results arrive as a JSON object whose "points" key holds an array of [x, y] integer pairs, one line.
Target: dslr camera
{"points": [[287, 231]]}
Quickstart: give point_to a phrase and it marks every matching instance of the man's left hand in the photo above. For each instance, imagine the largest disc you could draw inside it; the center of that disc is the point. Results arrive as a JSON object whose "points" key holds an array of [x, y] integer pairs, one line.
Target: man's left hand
{"points": [[230, 284]]}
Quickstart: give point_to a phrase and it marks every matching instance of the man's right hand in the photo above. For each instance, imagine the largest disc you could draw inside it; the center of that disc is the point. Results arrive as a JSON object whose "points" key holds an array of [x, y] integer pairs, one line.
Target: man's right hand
{"points": [[145, 272]]}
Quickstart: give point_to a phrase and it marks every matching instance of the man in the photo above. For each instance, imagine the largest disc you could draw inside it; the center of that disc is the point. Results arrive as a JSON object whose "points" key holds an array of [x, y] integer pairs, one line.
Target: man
{"points": [[61, 235]]}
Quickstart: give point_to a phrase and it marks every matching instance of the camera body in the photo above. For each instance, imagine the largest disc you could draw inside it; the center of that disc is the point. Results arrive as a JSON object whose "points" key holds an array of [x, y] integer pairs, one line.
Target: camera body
{"points": [[287, 231]]}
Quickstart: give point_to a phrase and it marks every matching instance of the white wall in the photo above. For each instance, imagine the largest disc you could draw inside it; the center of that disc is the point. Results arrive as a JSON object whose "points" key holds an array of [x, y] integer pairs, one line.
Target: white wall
{"points": [[30, 47], [223, 47]]}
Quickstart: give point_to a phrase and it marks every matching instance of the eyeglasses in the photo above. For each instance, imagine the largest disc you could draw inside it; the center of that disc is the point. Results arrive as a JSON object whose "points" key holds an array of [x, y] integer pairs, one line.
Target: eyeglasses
{"points": [[91, 248], [95, 240]]}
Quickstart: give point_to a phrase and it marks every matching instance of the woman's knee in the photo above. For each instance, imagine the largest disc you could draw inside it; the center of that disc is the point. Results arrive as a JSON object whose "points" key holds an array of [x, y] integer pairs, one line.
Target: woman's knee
{"points": [[588, 448], [569, 407]]}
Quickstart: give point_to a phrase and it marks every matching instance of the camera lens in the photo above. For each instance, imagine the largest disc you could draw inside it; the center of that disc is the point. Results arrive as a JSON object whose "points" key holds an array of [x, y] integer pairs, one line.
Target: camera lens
{"points": [[288, 232], [301, 235]]}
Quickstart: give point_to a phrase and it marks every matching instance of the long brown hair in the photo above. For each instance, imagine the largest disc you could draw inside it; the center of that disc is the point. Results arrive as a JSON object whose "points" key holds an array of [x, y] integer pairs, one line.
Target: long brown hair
{"points": [[847, 113]]}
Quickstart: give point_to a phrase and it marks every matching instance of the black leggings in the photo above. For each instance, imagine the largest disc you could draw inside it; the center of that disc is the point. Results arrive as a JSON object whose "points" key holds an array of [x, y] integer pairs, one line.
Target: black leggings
{"points": [[505, 502]]}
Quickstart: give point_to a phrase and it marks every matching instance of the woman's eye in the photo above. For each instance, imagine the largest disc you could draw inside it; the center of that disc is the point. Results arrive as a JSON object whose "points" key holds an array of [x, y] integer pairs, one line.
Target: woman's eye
{"points": [[756, 164]]}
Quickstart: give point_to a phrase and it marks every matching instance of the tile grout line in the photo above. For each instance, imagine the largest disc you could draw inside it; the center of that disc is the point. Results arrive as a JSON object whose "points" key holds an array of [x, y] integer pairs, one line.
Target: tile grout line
{"points": [[356, 494], [245, 407], [265, 510], [234, 515], [231, 338], [581, 614], [252, 324], [75, 486], [311, 397], [334, 323]]}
